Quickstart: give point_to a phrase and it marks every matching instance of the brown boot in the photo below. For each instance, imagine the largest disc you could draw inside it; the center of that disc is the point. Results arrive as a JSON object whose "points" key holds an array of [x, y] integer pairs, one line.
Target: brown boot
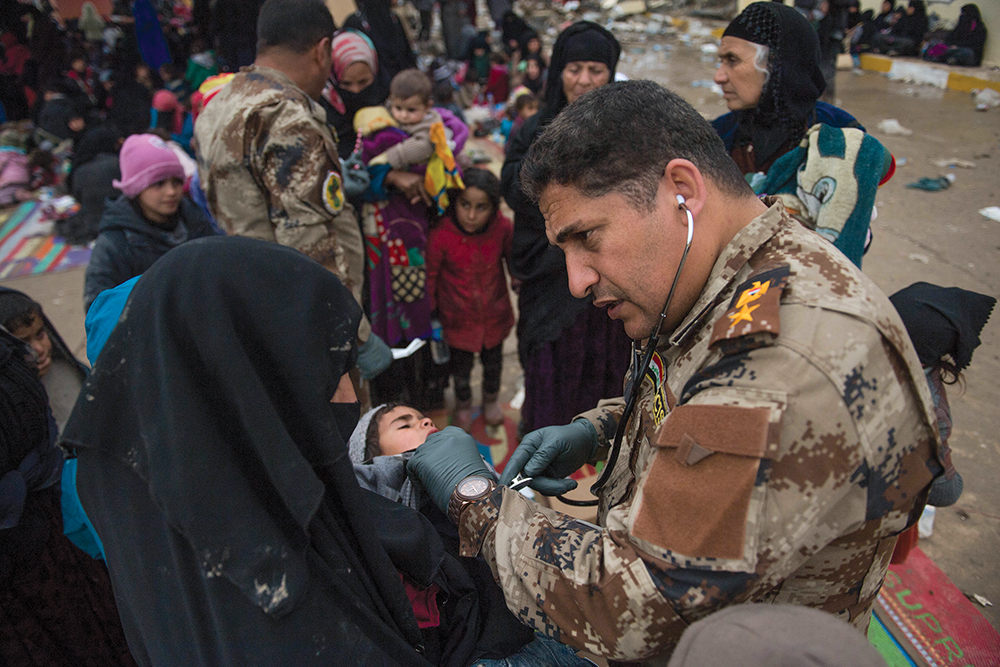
{"points": [[462, 416], [492, 413]]}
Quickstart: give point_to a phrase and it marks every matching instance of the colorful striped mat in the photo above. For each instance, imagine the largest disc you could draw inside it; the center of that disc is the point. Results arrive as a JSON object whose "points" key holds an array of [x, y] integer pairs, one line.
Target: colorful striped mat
{"points": [[922, 619], [28, 246]]}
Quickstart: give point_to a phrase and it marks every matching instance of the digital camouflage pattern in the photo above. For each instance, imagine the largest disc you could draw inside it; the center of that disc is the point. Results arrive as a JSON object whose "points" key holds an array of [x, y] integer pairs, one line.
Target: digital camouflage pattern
{"points": [[269, 168], [782, 439]]}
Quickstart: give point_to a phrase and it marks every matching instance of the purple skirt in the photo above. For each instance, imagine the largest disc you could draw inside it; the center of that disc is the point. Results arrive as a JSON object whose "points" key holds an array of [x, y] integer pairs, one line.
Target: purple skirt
{"points": [[569, 375]]}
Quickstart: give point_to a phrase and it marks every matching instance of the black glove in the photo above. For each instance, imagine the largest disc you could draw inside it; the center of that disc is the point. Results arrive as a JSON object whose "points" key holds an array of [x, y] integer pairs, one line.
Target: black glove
{"points": [[552, 453], [374, 356], [445, 459]]}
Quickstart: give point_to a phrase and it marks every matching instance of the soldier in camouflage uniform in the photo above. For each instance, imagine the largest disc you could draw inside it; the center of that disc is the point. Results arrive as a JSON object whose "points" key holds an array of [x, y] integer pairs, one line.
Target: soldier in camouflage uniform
{"points": [[267, 160], [783, 435]]}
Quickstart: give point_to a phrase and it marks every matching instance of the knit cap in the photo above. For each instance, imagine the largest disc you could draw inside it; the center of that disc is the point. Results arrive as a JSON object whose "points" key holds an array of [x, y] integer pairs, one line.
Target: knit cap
{"points": [[145, 159], [356, 445]]}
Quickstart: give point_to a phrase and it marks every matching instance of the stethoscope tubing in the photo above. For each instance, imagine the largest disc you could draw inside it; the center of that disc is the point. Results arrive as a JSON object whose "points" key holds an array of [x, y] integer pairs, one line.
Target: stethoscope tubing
{"points": [[637, 378]]}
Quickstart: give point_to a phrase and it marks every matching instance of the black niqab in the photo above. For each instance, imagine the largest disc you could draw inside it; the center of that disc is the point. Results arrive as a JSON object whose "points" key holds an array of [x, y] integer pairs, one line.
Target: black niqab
{"points": [[943, 321], [214, 392], [788, 101]]}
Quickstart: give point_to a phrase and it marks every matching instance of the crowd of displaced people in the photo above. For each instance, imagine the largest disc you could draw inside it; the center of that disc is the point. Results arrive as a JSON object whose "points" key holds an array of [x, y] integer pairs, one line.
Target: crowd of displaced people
{"points": [[245, 451]]}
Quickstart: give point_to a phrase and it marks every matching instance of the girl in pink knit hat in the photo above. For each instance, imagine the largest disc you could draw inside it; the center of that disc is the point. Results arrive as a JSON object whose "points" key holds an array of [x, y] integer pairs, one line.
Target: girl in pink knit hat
{"points": [[150, 218]]}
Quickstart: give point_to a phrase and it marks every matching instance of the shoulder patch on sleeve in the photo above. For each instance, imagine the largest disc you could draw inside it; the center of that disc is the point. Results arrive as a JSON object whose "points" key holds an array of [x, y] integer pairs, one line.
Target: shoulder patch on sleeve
{"points": [[754, 308], [333, 192]]}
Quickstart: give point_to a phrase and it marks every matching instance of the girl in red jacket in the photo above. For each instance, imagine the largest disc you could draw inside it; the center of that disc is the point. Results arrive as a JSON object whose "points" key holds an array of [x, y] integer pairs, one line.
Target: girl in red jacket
{"points": [[467, 285]]}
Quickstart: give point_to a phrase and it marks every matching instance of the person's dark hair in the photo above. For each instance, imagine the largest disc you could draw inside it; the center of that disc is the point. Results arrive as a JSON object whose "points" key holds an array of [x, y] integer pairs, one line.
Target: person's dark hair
{"points": [[409, 83], [169, 72], [23, 413], [483, 179], [525, 100], [619, 138], [373, 444], [444, 94], [296, 25], [17, 310]]}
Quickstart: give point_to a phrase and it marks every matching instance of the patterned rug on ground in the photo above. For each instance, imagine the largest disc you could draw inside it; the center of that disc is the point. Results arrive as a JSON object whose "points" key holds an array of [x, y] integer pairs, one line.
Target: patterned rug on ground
{"points": [[921, 619], [29, 247]]}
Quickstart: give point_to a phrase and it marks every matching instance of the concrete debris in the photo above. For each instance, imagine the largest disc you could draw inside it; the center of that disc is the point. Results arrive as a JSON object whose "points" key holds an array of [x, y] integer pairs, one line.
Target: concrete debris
{"points": [[892, 126], [627, 8], [991, 212], [986, 98], [917, 257], [954, 162]]}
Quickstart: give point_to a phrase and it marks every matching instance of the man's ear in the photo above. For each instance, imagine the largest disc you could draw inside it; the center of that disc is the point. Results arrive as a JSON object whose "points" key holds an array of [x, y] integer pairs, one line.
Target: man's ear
{"points": [[321, 52], [682, 177]]}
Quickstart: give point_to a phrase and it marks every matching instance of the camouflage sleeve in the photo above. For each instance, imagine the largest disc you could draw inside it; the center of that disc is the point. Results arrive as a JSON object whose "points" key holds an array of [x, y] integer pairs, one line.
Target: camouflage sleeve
{"points": [[604, 419], [761, 465], [299, 169], [582, 585]]}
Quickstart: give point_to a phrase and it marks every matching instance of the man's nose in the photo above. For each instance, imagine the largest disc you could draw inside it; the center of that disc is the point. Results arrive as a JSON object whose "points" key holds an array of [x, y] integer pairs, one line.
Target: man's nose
{"points": [[720, 76], [582, 277]]}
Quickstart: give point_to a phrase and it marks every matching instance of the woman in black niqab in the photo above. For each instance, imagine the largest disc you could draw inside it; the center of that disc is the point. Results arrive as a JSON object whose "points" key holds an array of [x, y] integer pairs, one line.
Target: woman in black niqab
{"points": [[214, 467]]}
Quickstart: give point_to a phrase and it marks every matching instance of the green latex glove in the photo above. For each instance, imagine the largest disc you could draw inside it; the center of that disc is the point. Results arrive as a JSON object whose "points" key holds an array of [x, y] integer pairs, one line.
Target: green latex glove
{"points": [[374, 356], [445, 459], [551, 454]]}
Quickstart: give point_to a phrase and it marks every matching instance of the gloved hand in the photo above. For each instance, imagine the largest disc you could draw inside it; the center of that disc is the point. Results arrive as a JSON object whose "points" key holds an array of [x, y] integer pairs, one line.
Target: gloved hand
{"points": [[445, 459], [374, 356], [552, 453], [356, 177]]}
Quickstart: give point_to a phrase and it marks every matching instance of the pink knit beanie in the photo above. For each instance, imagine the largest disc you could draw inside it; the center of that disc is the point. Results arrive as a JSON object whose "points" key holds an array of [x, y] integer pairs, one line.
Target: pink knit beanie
{"points": [[145, 159]]}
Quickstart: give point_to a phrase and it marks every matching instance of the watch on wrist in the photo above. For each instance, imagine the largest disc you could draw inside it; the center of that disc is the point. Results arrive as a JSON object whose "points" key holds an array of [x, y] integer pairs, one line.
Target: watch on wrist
{"points": [[468, 491]]}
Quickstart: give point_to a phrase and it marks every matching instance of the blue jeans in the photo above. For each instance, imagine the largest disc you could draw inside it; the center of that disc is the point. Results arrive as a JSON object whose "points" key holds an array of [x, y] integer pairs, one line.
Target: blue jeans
{"points": [[541, 652]]}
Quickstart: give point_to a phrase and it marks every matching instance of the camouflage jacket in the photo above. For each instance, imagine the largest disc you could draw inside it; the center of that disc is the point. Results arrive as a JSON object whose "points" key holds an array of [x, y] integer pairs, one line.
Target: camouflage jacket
{"points": [[269, 167], [783, 437]]}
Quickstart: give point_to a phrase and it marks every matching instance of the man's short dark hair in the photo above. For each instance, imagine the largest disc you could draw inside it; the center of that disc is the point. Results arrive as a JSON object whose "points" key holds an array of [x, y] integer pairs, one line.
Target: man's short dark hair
{"points": [[296, 25], [410, 83], [619, 138]]}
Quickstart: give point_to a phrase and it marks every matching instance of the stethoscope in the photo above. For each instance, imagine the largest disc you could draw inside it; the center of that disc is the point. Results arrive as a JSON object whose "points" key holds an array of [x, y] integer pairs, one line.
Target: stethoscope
{"points": [[654, 338]]}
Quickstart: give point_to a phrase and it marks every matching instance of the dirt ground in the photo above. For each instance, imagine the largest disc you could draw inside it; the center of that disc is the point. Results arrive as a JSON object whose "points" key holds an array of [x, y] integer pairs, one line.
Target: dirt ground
{"points": [[937, 237]]}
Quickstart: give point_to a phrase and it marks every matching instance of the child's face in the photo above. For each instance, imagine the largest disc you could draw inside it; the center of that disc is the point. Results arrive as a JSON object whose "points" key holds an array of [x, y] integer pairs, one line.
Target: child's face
{"points": [[161, 200], [79, 65], [35, 335], [529, 110], [533, 45], [533, 70], [409, 110], [473, 210], [403, 429], [479, 53]]}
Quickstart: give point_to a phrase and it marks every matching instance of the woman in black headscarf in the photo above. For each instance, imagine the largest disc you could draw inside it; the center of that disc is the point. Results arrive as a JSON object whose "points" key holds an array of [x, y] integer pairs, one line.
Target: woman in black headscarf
{"points": [[56, 604], [964, 45], [573, 355], [944, 324], [94, 167], [905, 36], [771, 81], [208, 429]]}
